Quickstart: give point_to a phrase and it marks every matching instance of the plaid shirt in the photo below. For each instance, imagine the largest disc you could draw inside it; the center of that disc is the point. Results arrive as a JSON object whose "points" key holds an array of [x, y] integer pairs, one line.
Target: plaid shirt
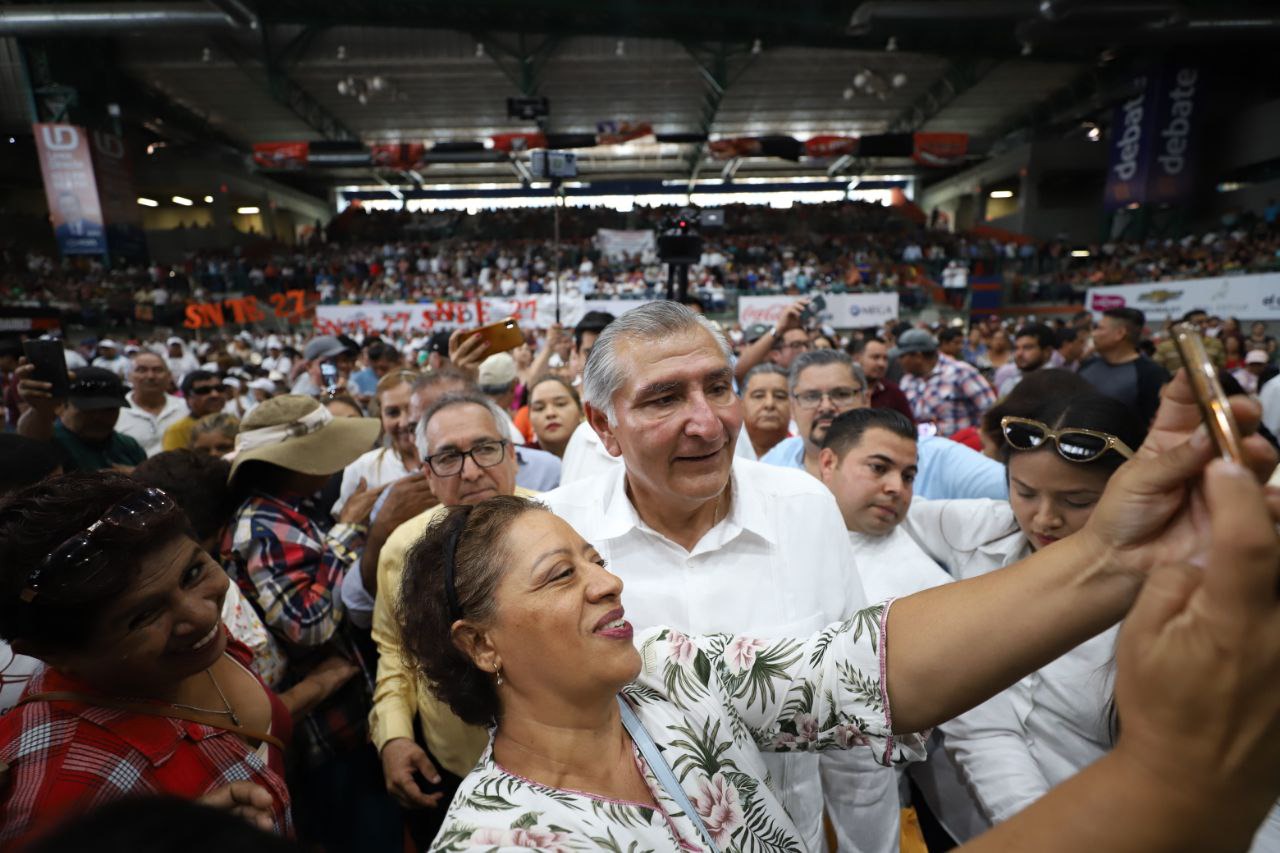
{"points": [[954, 396], [66, 756], [290, 567]]}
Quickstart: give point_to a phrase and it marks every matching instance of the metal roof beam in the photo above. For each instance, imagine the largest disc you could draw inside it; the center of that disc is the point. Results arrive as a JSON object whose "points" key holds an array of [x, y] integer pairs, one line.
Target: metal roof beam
{"points": [[713, 66], [959, 77], [268, 73]]}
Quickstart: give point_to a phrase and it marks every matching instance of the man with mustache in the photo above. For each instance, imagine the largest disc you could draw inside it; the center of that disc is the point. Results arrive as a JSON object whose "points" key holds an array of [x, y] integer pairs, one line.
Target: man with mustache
{"points": [[823, 383]]}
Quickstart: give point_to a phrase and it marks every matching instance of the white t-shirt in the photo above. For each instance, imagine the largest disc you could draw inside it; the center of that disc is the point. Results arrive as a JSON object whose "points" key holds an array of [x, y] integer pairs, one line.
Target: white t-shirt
{"points": [[778, 565], [148, 429]]}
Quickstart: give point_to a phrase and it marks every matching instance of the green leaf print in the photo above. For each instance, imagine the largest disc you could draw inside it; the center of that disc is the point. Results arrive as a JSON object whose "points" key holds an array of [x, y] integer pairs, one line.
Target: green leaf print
{"points": [[701, 751], [525, 821]]}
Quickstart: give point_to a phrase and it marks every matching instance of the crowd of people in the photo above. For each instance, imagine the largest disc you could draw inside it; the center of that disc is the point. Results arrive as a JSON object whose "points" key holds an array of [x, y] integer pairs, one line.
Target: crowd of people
{"points": [[846, 246], [369, 594]]}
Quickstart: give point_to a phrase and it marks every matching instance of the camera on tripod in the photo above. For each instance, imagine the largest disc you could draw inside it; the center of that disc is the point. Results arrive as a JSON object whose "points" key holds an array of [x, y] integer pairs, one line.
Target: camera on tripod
{"points": [[679, 239]]}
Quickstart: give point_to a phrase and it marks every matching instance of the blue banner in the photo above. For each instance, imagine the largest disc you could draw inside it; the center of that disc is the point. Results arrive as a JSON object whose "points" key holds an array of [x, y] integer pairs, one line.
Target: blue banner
{"points": [[1132, 142], [1177, 138]]}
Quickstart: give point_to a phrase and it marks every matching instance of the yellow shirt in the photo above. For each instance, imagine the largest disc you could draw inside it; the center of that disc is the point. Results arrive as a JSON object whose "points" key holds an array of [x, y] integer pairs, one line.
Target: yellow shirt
{"points": [[178, 435], [400, 693]]}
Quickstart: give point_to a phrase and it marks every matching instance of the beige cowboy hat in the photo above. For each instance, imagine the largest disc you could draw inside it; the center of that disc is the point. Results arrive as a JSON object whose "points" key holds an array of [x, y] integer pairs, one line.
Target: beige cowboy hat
{"points": [[299, 434]]}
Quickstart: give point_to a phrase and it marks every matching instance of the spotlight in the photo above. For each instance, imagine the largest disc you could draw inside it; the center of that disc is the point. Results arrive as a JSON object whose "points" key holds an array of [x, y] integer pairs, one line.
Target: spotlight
{"points": [[1002, 193], [756, 46], [208, 199], [1079, 253], [899, 80], [344, 87], [847, 94], [1094, 134], [861, 79], [148, 202], [246, 211], [182, 200], [377, 83]]}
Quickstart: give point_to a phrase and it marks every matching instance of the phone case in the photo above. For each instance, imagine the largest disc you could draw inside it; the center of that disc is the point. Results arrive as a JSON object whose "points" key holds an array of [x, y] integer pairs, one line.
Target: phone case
{"points": [[51, 365], [502, 336], [1212, 400]]}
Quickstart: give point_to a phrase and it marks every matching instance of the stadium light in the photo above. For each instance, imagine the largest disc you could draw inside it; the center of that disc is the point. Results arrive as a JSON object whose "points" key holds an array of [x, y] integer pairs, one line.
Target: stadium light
{"points": [[1079, 253], [1002, 193], [208, 199], [246, 211], [182, 200], [148, 202]]}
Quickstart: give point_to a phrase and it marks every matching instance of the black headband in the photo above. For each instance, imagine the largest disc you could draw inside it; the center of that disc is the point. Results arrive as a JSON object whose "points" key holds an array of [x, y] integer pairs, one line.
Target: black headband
{"points": [[450, 549]]}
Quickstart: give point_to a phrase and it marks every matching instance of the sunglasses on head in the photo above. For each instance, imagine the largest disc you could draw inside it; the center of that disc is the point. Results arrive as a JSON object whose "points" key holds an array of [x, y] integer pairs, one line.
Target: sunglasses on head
{"points": [[81, 557], [1073, 445]]}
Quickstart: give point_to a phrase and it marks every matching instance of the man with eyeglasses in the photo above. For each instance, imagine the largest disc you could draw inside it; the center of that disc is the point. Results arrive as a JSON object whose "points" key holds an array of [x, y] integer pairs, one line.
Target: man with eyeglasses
{"points": [[467, 457], [205, 395], [822, 384]]}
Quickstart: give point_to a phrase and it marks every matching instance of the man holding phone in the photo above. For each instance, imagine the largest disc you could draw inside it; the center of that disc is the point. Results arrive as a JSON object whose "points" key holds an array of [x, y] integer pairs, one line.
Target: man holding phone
{"points": [[83, 431]]}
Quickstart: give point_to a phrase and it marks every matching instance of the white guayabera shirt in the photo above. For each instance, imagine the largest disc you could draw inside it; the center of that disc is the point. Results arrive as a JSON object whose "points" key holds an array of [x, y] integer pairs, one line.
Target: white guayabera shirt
{"points": [[712, 704]]}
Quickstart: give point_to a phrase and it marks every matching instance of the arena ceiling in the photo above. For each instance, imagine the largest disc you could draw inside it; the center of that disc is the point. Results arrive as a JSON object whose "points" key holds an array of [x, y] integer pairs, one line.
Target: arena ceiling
{"points": [[238, 72]]}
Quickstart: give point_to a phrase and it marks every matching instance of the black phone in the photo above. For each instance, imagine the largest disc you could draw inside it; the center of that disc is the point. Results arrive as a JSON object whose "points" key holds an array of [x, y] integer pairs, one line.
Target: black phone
{"points": [[814, 309], [51, 365]]}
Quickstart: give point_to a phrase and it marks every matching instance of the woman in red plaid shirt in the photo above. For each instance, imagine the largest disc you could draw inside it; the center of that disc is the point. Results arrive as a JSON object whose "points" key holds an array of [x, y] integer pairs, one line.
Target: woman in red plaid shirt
{"points": [[144, 691]]}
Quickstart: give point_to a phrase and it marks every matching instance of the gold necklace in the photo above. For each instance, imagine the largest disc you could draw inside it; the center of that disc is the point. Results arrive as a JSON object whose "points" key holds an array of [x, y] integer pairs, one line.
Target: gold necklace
{"points": [[227, 711]]}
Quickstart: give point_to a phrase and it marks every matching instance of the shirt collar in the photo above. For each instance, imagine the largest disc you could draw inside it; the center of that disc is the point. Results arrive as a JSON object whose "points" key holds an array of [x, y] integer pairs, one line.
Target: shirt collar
{"points": [[747, 510]]}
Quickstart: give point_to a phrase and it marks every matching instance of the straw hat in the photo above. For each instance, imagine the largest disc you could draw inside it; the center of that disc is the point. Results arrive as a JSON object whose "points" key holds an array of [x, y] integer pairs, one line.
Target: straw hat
{"points": [[299, 434]]}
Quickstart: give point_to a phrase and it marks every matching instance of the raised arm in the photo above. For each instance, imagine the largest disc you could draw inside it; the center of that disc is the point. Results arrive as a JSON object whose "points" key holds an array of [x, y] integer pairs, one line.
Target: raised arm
{"points": [[957, 645], [1197, 764]]}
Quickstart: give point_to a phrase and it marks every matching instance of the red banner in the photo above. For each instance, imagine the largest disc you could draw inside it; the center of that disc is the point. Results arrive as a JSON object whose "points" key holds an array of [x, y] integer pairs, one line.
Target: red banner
{"points": [[830, 146], [519, 141], [940, 149], [618, 132], [291, 306], [281, 155], [397, 155]]}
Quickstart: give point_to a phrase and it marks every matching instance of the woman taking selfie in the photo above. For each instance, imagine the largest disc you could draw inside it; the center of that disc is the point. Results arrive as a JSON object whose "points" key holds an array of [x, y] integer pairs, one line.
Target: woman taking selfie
{"points": [[515, 622], [144, 691]]}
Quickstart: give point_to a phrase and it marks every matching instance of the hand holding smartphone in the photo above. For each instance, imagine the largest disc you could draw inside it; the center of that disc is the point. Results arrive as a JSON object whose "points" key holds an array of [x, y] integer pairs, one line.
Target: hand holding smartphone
{"points": [[502, 336], [1203, 375], [50, 363]]}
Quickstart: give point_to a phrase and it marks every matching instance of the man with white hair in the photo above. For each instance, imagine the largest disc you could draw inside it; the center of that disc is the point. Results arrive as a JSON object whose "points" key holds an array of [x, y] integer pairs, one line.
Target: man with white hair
{"points": [[705, 541]]}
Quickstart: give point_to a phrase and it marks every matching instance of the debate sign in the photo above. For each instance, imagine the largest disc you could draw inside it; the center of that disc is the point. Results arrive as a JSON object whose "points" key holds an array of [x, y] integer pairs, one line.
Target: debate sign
{"points": [[843, 311], [1246, 297]]}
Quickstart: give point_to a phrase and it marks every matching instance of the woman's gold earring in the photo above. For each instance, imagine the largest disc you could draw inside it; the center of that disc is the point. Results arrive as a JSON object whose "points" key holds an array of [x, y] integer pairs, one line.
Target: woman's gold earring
{"points": [[498, 671]]}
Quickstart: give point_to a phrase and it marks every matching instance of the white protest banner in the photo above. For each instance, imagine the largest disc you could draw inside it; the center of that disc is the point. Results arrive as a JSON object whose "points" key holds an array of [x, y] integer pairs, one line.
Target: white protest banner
{"points": [[614, 243], [1245, 297], [403, 319], [843, 311]]}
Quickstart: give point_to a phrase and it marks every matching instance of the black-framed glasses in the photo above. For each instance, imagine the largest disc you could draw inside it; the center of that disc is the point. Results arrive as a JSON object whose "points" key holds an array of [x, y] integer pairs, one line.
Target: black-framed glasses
{"points": [[840, 397], [202, 390], [80, 558], [1074, 445], [486, 454]]}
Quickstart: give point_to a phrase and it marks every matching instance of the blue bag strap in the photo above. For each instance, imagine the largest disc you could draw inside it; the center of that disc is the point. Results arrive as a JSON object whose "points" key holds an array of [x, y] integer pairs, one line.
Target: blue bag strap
{"points": [[666, 776]]}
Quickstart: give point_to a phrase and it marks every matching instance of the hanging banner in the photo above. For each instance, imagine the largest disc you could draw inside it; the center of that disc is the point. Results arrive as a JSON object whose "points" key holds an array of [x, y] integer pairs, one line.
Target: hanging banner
{"points": [[408, 319], [618, 132], [1178, 114], [614, 243], [121, 214], [397, 155], [843, 311], [281, 155], [1246, 297], [939, 149], [830, 146], [69, 186], [292, 306]]}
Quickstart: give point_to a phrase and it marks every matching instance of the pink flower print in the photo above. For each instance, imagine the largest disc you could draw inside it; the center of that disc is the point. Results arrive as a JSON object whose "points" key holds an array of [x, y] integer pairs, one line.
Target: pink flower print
{"points": [[544, 839], [682, 648], [741, 653], [848, 736], [806, 728], [717, 804]]}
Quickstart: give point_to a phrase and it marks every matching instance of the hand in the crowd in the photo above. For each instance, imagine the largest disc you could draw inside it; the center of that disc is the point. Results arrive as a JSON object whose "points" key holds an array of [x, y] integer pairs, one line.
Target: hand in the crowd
{"points": [[244, 799], [401, 757], [357, 508], [36, 394], [466, 351], [1198, 663], [1150, 513], [409, 497], [792, 316]]}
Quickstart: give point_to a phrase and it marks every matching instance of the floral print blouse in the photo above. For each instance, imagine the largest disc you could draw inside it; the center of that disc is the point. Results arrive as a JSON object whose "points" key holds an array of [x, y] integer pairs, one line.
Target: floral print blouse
{"points": [[712, 704]]}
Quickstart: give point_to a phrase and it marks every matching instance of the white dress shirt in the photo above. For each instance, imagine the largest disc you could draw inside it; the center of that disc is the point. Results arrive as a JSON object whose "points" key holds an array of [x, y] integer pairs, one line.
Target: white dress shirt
{"points": [[778, 565], [148, 429]]}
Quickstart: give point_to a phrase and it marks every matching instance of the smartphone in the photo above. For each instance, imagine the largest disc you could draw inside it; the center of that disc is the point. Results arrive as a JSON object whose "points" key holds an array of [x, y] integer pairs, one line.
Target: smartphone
{"points": [[814, 309], [503, 336], [51, 365], [1222, 425], [329, 372]]}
